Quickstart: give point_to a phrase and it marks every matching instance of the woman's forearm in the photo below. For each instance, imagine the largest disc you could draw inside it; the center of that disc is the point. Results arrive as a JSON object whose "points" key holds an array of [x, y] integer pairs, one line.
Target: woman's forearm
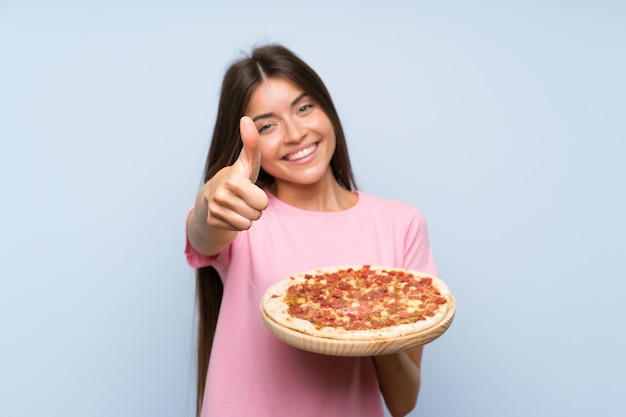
{"points": [[399, 378], [204, 238]]}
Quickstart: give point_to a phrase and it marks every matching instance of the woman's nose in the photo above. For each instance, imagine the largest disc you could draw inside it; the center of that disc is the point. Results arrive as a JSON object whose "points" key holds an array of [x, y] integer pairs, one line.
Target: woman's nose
{"points": [[294, 131]]}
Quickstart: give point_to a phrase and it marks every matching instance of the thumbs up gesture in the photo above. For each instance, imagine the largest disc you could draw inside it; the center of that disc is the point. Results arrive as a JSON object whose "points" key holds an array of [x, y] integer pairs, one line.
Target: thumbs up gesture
{"points": [[231, 199]]}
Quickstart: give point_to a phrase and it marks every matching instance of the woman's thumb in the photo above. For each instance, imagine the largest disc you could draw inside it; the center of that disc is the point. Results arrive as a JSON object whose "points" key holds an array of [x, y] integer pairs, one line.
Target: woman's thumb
{"points": [[250, 156]]}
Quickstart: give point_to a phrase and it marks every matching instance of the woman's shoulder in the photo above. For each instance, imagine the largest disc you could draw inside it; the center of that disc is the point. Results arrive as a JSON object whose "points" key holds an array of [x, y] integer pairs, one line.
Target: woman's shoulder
{"points": [[386, 204]]}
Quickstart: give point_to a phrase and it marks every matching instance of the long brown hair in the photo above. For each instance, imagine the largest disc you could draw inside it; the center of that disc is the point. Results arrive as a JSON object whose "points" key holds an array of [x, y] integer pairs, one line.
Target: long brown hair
{"points": [[239, 82]]}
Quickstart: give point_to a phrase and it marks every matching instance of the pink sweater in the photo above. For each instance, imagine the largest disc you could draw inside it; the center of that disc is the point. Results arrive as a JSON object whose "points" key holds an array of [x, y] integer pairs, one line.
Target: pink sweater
{"points": [[254, 374]]}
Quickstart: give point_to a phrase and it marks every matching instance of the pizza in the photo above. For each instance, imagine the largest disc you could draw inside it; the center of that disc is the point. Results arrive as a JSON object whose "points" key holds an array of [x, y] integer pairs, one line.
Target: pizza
{"points": [[358, 302]]}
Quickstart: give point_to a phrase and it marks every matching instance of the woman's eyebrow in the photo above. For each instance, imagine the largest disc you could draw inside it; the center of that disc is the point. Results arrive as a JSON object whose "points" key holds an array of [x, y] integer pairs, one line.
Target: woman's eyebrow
{"points": [[262, 116], [297, 99], [293, 103]]}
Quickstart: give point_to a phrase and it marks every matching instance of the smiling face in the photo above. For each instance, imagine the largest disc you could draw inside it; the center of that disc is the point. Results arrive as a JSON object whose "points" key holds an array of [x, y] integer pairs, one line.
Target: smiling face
{"points": [[296, 137]]}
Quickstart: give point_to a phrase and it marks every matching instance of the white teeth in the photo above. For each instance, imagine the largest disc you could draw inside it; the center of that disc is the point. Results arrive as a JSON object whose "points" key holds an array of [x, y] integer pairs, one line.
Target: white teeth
{"points": [[301, 154]]}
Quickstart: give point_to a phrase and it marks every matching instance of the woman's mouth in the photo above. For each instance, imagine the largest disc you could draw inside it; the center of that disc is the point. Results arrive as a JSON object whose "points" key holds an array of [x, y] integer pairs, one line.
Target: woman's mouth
{"points": [[303, 153]]}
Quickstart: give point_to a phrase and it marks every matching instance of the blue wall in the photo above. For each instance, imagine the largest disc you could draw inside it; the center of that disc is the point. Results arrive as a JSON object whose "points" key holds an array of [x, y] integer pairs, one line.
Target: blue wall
{"points": [[504, 121]]}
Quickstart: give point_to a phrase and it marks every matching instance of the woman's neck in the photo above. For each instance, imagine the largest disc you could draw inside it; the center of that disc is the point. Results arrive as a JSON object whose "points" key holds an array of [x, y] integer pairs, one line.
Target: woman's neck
{"points": [[324, 195]]}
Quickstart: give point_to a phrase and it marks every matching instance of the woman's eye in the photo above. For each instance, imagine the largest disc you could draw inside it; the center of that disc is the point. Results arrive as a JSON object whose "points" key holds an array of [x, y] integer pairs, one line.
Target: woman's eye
{"points": [[305, 107], [264, 127]]}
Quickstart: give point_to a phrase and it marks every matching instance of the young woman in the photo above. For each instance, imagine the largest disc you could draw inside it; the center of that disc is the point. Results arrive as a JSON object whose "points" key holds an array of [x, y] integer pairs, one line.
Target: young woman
{"points": [[279, 198]]}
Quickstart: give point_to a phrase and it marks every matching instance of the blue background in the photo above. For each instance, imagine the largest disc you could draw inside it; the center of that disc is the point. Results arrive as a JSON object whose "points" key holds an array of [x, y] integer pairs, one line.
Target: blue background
{"points": [[503, 120]]}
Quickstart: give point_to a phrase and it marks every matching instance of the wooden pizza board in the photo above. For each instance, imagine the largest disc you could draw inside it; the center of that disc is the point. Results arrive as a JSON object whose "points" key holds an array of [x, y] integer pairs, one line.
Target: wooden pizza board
{"points": [[335, 347]]}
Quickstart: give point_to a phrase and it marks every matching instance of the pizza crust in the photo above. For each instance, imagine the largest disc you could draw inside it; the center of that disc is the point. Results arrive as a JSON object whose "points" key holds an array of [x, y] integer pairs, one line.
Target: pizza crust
{"points": [[276, 309]]}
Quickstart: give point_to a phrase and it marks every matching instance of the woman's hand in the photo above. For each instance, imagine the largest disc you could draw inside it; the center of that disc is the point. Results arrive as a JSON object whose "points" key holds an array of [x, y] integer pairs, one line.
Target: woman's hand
{"points": [[230, 201]]}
